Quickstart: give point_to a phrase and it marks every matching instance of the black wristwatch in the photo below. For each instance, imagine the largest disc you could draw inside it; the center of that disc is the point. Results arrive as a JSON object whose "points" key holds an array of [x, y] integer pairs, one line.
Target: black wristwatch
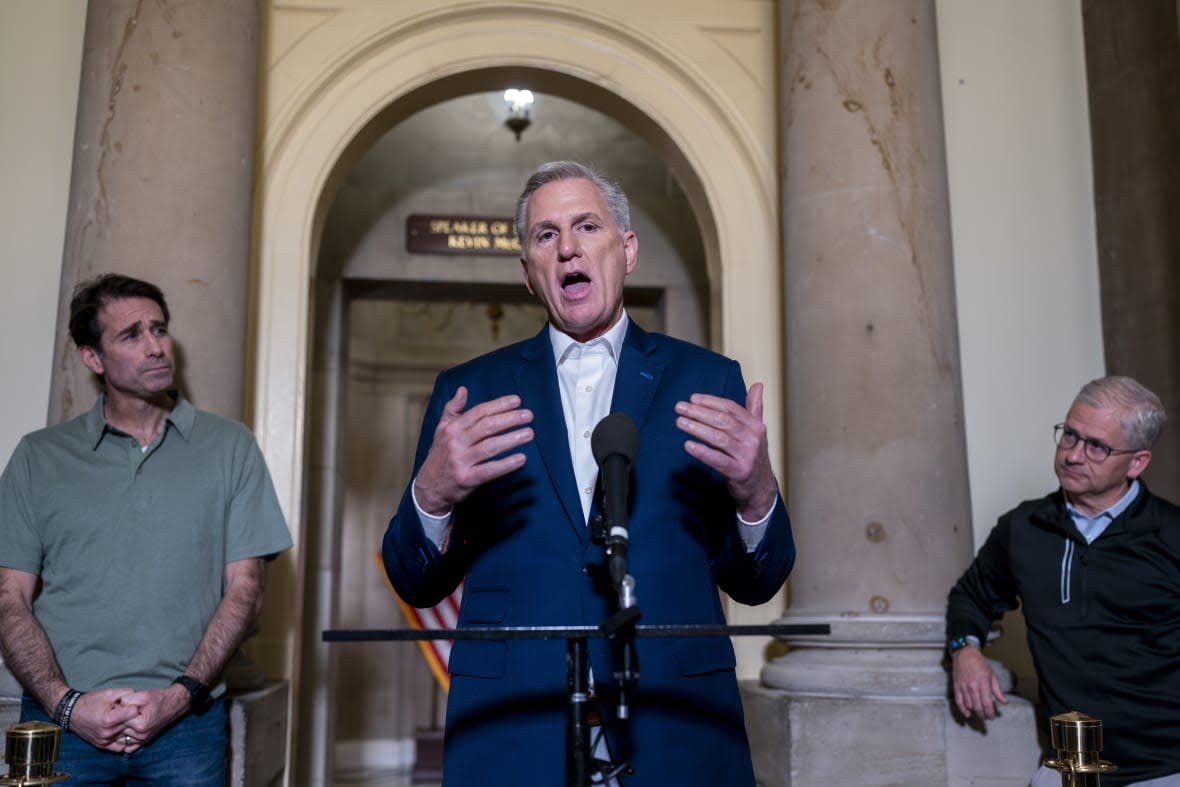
{"points": [[958, 643], [199, 698]]}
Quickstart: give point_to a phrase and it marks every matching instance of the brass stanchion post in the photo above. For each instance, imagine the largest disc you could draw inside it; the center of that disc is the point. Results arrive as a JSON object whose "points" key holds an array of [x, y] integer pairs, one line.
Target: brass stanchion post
{"points": [[30, 749], [1077, 739]]}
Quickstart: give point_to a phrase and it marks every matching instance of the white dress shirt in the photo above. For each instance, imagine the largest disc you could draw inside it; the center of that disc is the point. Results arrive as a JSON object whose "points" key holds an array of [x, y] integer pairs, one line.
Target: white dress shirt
{"points": [[586, 377]]}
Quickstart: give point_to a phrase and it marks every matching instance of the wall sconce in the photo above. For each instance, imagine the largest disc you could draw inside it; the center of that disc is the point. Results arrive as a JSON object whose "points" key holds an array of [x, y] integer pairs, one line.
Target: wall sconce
{"points": [[519, 102]]}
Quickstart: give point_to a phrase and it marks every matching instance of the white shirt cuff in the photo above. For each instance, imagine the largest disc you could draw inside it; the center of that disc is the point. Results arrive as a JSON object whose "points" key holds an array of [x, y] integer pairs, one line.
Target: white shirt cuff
{"points": [[752, 532], [436, 528]]}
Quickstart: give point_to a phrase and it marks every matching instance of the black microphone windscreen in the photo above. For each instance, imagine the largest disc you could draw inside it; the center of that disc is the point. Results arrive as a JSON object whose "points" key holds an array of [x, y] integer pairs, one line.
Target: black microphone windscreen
{"points": [[615, 434]]}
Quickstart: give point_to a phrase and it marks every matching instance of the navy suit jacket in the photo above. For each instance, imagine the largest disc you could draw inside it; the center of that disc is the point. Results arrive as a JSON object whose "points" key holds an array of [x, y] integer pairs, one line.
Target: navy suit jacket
{"points": [[524, 549]]}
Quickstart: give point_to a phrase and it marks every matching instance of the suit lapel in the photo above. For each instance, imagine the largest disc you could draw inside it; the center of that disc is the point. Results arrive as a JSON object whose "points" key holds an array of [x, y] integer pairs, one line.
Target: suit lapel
{"points": [[638, 377], [640, 370], [536, 381]]}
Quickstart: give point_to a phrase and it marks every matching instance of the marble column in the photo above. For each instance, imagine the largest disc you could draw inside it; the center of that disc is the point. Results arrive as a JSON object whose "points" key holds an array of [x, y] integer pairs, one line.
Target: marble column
{"points": [[161, 186], [161, 189], [877, 475]]}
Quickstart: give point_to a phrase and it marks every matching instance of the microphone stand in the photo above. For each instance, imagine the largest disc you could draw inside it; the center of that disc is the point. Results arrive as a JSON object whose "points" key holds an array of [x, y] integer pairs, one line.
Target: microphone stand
{"points": [[615, 443], [578, 759], [579, 764], [620, 626]]}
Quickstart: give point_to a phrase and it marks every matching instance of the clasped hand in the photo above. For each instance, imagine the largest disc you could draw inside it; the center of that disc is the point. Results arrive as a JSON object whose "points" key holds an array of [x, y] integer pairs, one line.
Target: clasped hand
{"points": [[123, 720]]}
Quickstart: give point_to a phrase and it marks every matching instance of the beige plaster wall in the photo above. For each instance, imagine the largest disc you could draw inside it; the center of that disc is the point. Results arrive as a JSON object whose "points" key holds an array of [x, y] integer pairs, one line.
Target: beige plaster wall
{"points": [[40, 63], [1022, 219]]}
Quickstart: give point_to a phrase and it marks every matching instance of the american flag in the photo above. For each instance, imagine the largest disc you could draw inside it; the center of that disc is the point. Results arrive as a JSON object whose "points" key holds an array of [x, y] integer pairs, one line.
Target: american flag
{"points": [[442, 616]]}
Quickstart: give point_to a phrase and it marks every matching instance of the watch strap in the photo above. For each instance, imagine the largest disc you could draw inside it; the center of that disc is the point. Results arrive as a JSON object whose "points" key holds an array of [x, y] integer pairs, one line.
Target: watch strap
{"points": [[958, 643], [199, 695]]}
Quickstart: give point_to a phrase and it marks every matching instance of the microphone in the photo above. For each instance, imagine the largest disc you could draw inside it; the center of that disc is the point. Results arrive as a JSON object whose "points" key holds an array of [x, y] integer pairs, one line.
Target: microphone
{"points": [[615, 443]]}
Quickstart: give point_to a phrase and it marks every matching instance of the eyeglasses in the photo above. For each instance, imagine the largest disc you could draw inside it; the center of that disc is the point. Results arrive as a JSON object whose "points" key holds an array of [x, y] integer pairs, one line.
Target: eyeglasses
{"points": [[1096, 451]]}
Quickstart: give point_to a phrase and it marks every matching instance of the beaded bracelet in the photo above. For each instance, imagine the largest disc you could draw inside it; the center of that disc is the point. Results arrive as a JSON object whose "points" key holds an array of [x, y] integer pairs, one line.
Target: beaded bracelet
{"points": [[69, 709], [61, 706]]}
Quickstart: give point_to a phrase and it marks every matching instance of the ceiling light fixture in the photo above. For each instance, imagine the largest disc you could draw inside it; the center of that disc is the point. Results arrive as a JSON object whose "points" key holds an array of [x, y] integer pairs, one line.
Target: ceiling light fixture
{"points": [[519, 102]]}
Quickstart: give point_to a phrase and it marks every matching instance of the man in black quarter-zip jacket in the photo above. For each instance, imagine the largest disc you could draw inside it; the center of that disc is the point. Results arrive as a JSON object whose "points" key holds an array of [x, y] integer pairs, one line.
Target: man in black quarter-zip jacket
{"points": [[1095, 566]]}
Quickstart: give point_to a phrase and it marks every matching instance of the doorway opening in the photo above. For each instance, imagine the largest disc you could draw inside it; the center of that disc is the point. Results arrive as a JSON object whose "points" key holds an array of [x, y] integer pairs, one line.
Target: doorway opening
{"points": [[387, 696], [390, 319]]}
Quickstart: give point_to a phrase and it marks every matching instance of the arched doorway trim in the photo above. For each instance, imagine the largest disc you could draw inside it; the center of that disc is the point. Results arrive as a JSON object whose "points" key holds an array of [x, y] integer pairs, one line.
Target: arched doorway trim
{"points": [[310, 128], [363, 67]]}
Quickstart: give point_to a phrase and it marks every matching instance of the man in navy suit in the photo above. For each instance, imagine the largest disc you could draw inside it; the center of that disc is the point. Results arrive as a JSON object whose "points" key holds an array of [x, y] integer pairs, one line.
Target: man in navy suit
{"points": [[505, 485]]}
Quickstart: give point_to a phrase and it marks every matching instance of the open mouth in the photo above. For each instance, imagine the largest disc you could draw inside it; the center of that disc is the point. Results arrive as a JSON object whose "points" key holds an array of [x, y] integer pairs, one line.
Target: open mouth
{"points": [[575, 285]]}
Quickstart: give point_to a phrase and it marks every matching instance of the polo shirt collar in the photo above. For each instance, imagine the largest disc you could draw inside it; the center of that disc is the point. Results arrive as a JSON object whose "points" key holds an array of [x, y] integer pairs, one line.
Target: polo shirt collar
{"points": [[182, 417], [96, 425]]}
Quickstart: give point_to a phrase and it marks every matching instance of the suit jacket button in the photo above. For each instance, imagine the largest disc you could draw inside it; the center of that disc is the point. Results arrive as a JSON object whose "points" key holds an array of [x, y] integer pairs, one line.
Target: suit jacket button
{"points": [[587, 569]]}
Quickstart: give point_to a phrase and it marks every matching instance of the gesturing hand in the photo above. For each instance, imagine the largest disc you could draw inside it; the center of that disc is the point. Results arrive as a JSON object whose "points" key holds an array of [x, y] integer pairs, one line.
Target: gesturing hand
{"points": [[732, 440], [460, 456]]}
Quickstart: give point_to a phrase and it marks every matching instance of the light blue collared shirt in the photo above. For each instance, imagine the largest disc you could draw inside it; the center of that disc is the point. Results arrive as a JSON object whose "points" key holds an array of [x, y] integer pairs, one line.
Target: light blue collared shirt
{"points": [[1092, 527]]}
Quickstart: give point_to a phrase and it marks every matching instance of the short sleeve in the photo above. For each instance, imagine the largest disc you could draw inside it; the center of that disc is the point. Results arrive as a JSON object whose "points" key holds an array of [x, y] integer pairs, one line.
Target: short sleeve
{"points": [[255, 526], [21, 546]]}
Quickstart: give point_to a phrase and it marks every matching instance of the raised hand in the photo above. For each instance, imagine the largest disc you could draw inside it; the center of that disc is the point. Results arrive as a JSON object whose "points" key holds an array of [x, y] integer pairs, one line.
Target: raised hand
{"points": [[732, 440], [460, 456]]}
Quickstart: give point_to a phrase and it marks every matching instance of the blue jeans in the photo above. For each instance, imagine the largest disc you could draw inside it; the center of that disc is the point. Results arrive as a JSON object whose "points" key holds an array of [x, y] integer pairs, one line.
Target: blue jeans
{"points": [[190, 753]]}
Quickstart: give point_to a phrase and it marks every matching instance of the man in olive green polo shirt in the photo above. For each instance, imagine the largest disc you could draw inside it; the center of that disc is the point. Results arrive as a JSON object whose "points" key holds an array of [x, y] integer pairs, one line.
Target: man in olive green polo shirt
{"points": [[133, 549]]}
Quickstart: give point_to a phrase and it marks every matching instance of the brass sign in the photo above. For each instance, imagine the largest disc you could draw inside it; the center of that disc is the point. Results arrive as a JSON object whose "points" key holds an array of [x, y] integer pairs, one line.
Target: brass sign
{"points": [[461, 235]]}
